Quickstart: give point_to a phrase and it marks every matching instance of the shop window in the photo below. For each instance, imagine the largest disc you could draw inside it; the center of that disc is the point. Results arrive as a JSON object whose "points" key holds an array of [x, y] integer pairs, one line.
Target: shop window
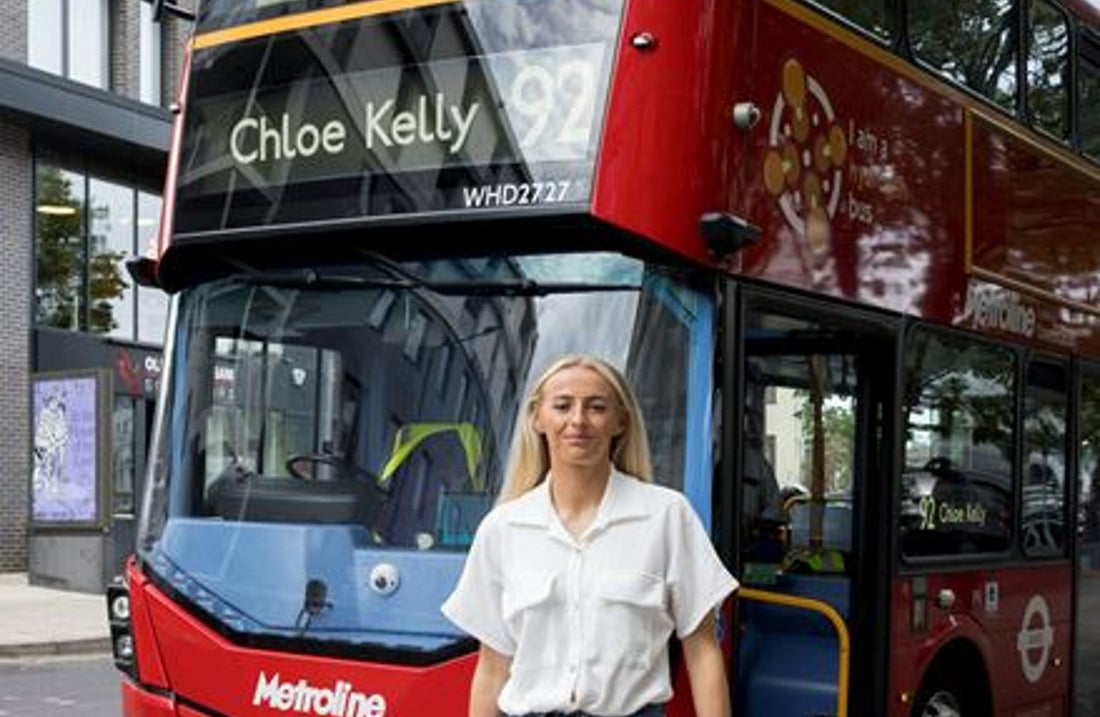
{"points": [[123, 438], [970, 42], [1048, 69], [85, 228], [69, 38], [956, 491]]}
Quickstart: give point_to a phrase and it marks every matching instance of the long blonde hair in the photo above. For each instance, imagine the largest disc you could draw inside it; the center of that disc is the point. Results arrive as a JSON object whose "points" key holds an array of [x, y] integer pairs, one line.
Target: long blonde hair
{"points": [[530, 459]]}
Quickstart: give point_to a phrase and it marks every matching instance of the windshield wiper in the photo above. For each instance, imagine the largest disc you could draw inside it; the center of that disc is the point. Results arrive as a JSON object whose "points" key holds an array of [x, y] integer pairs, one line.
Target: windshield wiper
{"points": [[403, 279], [507, 287], [313, 279]]}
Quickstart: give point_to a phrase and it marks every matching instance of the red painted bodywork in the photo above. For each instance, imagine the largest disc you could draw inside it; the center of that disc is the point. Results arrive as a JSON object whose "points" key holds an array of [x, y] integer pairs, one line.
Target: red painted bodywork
{"points": [[665, 149], [995, 628], [205, 674], [897, 235], [185, 669]]}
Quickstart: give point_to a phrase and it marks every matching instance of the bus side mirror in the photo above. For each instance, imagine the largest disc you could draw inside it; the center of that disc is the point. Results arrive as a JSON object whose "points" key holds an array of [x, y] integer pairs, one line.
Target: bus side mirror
{"points": [[143, 271]]}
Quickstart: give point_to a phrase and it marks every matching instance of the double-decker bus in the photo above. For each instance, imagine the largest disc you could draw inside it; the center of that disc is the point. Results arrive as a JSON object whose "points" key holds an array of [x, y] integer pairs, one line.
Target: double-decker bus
{"points": [[846, 250]]}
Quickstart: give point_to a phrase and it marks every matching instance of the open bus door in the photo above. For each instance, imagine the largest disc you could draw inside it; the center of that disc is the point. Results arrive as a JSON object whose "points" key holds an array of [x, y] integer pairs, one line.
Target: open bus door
{"points": [[814, 468]]}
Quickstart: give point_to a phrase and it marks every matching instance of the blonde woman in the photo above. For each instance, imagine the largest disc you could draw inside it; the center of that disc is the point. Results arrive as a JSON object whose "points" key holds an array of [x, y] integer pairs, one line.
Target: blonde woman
{"points": [[576, 580]]}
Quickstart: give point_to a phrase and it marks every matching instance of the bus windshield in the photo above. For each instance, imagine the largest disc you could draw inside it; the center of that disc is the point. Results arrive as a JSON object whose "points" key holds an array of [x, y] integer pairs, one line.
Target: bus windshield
{"points": [[331, 437]]}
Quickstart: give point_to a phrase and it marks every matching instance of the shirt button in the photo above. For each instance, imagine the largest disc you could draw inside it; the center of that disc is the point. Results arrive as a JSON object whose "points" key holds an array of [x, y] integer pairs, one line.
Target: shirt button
{"points": [[572, 668]]}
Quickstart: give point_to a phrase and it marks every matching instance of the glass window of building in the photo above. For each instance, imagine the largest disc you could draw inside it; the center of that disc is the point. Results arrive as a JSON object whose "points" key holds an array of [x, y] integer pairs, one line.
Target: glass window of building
{"points": [[70, 38], [152, 304], [45, 20], [150, 59], [110, 243], [86, 228], [1048, 69], [59, 225], [88, 42], [971, 42]]}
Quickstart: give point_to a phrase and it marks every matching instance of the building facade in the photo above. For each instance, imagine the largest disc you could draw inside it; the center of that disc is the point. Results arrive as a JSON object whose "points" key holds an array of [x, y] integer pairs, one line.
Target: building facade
{"points": [[85, 92]]}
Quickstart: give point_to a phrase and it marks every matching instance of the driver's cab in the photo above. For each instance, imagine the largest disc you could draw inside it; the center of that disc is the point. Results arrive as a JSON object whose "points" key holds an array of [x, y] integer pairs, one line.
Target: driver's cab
{"points": [[290, 435]]}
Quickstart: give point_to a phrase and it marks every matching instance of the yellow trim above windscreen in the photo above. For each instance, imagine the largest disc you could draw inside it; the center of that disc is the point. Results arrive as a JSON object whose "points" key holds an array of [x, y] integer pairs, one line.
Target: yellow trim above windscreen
{"points": [[315, 18]]}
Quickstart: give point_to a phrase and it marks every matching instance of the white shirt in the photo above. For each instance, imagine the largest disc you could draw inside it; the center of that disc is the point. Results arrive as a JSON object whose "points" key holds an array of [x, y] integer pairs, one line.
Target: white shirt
{"points": [[586, 621]]}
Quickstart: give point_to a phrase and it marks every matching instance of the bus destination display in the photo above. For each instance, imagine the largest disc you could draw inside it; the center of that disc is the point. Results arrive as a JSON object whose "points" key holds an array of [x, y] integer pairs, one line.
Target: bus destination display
{"points": [[325, 131]]}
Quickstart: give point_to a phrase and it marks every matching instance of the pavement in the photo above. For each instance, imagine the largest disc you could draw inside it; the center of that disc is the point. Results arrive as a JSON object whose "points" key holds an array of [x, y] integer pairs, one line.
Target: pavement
{"points": [[37, 621]]}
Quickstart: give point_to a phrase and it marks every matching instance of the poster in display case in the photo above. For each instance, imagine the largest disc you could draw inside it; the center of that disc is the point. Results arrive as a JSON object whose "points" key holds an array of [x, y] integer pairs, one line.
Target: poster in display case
{"points": [[70, 448]]}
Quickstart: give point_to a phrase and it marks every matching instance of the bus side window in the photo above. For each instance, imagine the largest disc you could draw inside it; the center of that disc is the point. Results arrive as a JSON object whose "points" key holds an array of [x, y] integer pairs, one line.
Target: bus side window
{"points": [[869, 15], [956, 490], [1048, 69], [1088, 96], [970, 42], [1046, 415]]}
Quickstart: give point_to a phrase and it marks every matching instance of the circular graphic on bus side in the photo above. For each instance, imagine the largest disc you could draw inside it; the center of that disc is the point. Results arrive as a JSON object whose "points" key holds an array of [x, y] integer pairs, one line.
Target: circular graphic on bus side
{"points": [[803, 167], [1035, 639]]}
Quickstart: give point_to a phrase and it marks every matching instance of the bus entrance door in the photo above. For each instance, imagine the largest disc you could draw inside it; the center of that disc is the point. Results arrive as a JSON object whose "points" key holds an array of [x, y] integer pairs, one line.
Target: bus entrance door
{"points": [[811, 442]]}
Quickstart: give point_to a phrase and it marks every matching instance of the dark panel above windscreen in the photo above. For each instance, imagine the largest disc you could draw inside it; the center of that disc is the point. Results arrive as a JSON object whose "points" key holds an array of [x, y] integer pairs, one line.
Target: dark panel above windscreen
{"points": [[452, 107]]}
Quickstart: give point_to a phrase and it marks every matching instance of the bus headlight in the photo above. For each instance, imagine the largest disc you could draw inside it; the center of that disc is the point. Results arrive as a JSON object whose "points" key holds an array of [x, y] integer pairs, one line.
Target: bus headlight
{"points": [[122, 637], [124, 648], [120, 607]]}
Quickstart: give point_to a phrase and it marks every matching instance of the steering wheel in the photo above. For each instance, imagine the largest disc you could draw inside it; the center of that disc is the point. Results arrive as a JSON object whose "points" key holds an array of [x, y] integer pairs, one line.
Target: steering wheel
{"points": [[327, 459]]}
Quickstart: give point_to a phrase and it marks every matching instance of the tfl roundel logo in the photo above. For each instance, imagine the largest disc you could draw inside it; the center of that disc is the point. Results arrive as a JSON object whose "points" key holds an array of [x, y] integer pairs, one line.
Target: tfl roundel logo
{"points": [[803, 167], [1035, 639]]}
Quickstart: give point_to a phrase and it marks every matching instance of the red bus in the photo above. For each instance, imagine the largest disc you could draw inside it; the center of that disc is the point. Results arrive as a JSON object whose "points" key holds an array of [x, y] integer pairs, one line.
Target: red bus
{"points": [[845, 250]]}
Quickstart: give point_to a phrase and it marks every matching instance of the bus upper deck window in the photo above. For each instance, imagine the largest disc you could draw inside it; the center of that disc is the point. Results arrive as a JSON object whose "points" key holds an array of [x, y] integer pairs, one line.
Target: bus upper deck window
{"points": [[970, 42], [1048, 69], [869, 16]]}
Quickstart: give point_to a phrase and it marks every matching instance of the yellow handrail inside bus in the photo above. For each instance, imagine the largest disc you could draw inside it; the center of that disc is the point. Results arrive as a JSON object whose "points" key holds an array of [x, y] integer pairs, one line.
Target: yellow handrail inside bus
{"points": [[828, 612]]}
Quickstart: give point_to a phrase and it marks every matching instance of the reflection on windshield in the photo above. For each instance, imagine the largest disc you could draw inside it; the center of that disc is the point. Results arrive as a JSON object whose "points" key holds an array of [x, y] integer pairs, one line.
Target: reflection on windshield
{"points": [[315, 432]]}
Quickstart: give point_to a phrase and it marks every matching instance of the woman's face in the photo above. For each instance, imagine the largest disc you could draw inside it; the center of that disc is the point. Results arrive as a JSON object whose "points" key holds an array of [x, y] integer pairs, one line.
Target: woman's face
{"points": [[579, 415]]}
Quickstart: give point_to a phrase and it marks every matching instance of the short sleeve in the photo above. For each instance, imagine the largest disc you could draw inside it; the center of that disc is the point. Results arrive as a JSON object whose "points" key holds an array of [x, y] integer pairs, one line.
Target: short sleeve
{"points": [[475, 604], [699, 581]]}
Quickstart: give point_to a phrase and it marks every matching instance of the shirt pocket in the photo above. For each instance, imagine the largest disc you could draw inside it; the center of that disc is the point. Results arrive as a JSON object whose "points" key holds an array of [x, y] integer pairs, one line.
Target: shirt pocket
{"points": [[530, 614], [632, 614], [523, 593]]}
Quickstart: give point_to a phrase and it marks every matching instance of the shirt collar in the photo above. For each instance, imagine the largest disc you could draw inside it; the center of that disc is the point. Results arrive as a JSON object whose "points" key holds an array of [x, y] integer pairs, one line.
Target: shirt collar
{"points": [[622, 500]]}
